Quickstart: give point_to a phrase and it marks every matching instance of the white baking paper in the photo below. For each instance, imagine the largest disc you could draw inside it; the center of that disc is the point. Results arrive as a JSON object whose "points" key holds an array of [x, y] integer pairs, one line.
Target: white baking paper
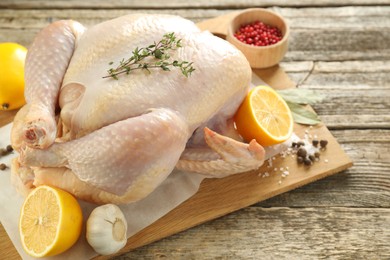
{"points": [[173, 191], [177, 188]]}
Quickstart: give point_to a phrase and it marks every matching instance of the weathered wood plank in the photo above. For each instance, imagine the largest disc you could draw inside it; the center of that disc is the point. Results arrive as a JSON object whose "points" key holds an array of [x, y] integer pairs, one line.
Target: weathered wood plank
{"points": [[40, 18], [348, 87], [330, 18], [361, 121], [280, 233], [364, 75], [157, 4], [338, 45], [340, 33], [352, 11]]}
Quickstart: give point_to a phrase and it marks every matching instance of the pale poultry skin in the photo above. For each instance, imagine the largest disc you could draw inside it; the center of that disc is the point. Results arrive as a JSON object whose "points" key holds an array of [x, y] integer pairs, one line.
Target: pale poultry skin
{"points": [[115, 141]]}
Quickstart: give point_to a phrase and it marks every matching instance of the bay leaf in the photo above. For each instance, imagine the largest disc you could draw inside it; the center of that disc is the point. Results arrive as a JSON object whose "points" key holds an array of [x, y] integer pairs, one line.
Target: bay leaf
{"points": [[300, 96], [301, 115]]}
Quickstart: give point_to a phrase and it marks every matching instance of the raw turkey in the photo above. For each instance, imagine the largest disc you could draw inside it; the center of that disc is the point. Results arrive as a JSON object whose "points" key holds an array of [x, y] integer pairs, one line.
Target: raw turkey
{"points": [[108, 140]]}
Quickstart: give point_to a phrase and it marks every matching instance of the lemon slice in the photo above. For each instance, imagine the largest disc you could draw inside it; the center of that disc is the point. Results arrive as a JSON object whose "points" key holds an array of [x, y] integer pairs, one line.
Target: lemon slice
{"points": [[264, 116], [50, 221]]}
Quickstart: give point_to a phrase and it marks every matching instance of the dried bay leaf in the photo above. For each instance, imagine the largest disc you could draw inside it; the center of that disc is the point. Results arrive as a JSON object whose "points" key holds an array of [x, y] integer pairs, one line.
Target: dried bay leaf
{"points": [[296, 98], [302, 115], [300, 96]]}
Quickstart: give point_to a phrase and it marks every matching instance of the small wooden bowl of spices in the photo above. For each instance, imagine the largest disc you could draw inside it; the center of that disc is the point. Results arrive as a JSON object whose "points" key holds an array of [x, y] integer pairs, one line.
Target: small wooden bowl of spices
{"points": [[261, 35]]}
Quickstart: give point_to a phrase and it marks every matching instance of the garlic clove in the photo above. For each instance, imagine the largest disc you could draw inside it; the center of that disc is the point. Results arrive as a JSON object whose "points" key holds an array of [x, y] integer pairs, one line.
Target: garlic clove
{"points": [[107, 229]]}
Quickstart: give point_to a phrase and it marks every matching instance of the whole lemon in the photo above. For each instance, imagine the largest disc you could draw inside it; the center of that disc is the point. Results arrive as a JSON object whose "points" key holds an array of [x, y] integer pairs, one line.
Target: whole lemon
{"points": [[12, 58]]}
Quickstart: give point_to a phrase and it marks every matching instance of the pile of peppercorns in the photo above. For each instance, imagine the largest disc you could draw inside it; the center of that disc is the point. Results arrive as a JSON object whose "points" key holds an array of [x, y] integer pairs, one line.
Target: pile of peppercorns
{"points": [[309, 157], [258, 34], [3, 152]]}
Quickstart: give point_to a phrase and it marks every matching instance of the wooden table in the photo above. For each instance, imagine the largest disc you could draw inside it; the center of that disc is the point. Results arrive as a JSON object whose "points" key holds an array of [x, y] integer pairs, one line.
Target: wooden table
{"points": [[341, 49]]}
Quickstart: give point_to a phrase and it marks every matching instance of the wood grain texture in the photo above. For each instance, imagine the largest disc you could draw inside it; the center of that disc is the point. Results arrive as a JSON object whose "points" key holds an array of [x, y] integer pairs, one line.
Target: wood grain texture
{"points": [[347, 86], [339, 48], [158, 4], [280, 233], [8, 250], [326, 34]]}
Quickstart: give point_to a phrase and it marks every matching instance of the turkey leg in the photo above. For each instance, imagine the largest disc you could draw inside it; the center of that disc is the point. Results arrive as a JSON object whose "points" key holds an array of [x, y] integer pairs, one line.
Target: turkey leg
{"points": [[136, 153], [46, 63]]}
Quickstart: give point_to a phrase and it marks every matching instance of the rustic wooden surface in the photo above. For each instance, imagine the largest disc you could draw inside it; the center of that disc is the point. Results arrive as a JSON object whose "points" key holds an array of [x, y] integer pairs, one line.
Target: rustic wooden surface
{"points": [[340, 48]]}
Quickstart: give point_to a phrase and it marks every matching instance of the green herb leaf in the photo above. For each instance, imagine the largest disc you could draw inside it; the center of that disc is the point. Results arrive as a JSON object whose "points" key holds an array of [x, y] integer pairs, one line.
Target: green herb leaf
{"points": [[158, 54], [302, 115], [178, 44], [300, 96], [157, 51]]}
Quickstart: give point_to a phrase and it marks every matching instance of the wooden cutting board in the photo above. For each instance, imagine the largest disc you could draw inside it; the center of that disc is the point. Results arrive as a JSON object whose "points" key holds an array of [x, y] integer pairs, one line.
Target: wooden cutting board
{"points": [[218, 197]]}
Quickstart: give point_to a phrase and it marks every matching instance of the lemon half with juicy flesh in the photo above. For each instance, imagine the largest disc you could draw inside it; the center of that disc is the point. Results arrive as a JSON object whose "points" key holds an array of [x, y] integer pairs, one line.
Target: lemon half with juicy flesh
{"points": [[264, 116], [50, 221]]}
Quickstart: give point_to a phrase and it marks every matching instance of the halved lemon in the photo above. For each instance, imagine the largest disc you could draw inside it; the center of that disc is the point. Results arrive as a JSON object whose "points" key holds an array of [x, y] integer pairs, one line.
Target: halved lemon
{"points": [[264, 116], [50, 221]]}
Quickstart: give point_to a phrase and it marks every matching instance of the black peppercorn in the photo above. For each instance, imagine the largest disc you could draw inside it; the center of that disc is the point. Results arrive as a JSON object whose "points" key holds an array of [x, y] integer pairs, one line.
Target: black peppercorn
{"points": [[315, 142], [3, 152], [312, 158], [3, 167], [300, 159], [302, 152], [9, 148], [307, 162], [323, 143]]}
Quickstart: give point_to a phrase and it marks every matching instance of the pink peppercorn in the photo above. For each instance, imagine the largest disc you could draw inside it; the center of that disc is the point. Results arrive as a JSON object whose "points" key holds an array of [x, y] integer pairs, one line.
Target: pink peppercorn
{"points": [[258, 34]]}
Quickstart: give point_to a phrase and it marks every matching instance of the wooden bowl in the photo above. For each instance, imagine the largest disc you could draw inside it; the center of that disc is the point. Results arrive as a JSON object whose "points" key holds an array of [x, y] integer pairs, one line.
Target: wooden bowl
{"points": [[260, 56]]}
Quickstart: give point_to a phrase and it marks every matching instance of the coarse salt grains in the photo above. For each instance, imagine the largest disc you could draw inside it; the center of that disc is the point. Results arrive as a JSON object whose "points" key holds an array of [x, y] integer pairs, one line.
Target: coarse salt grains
{"points": [[306, 150]]}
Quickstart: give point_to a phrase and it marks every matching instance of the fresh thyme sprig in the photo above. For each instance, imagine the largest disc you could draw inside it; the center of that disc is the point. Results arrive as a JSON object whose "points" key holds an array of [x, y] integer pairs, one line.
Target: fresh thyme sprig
{"points": [[158, 57]]}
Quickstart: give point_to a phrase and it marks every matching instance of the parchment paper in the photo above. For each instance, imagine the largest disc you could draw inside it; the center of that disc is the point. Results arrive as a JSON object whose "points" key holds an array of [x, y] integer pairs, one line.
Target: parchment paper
{"points": [[177, 188]]}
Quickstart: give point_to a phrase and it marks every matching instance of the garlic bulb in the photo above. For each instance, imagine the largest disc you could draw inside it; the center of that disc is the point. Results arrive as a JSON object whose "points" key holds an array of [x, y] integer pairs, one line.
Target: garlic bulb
{"points": [[106, 229]]}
